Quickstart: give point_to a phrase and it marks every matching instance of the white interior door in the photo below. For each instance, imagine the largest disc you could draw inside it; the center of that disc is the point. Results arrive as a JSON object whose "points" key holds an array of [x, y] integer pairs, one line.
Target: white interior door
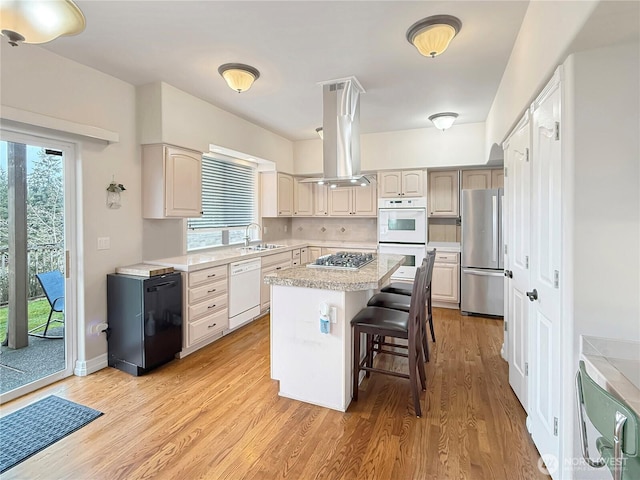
{"points": [[545, 261], [518, 187]]}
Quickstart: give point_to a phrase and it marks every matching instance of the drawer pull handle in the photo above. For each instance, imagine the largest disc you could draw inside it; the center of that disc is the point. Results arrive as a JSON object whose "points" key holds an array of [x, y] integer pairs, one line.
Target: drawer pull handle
{"points": [[211, 291], [211, 276], [278, 268], [211, 326], [211, 306]]}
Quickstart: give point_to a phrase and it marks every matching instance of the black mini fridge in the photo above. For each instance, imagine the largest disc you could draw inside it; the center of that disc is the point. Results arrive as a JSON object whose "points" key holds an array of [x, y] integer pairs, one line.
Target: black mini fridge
{"points": [[145, 321]]}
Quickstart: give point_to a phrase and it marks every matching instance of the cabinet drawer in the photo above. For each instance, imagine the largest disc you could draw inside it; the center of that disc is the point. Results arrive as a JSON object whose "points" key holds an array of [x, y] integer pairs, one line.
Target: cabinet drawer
{"points": [[212, 305], [276, 258], [210, 290], [207, 275], [447, 257], [207, 326], [281, 266]]}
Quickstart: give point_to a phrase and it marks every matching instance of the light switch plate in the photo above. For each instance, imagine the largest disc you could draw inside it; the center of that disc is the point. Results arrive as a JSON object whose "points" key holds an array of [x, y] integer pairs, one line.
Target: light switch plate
{"points": [[104, 243], [333, 314]]}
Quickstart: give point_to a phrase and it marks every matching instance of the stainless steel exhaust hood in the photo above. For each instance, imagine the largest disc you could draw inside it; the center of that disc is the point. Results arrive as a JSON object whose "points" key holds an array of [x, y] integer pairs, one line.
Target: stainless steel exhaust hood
{"points": [[341, 132]]}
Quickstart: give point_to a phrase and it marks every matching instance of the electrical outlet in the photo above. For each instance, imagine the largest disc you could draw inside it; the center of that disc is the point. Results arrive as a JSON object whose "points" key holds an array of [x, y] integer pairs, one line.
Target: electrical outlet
{"points": [[104, 243], [333, 314], [285, 229]]}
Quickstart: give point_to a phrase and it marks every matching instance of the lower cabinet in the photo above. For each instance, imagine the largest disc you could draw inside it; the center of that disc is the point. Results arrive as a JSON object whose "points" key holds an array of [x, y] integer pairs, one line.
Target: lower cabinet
{"points": [[445, 284], [206, 308], [270, 264], [314, 253]]}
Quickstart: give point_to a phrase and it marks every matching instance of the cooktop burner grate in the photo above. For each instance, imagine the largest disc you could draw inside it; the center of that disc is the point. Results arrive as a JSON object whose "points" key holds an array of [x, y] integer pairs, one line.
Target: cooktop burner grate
{"points": [[343, 261]]}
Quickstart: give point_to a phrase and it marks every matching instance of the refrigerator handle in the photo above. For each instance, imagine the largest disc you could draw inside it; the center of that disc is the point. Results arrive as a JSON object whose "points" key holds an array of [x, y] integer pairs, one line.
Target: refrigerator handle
{"points": [[494, 205]]}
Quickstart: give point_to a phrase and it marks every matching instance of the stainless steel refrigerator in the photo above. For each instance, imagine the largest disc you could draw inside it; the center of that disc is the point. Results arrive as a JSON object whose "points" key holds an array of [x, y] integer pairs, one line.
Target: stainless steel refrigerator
{"points": [[482, 277]]}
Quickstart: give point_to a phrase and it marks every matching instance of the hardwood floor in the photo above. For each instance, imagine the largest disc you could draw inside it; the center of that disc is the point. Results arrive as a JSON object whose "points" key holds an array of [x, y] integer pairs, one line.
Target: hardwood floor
{"points": [[216, 414]]}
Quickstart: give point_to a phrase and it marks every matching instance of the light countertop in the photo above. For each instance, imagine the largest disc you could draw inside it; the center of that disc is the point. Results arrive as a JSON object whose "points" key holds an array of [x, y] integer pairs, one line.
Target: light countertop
{"points": [[449, 247], [615, 365], [221, 256], [371, 276]]}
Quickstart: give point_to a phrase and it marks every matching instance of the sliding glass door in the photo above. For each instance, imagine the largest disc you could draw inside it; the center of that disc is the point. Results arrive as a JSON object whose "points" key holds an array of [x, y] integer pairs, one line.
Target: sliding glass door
{"points": [[36, 298]]}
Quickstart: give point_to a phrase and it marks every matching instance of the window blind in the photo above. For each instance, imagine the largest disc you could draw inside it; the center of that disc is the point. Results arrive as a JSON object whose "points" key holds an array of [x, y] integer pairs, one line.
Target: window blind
{"points": [[228, 195]]}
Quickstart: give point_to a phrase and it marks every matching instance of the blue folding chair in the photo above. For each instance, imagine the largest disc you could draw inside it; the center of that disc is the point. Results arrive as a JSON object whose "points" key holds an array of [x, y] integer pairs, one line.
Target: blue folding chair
{"points": [[53, 287]]}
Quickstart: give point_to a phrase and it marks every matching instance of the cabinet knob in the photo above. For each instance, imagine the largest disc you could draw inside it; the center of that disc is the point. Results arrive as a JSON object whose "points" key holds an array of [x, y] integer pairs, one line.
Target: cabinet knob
{"points": [[211, 306]]}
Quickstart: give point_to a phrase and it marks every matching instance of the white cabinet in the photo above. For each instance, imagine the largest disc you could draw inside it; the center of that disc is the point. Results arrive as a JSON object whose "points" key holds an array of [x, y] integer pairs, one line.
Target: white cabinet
{"points": [[350, 201], [206, 305], [320, 200], [444, 194], [445, 283], [482, 179], [171, 182], [304, 256], [276, 192], [303, 194], [270, 264], [314, 253], [409, 183]]}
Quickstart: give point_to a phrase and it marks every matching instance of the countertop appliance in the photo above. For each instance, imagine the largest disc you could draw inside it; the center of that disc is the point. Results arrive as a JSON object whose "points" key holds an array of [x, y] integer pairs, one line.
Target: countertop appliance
{"points": [[482, 282], [402, 230], [145, 321], [244, 291], [343, 261]]}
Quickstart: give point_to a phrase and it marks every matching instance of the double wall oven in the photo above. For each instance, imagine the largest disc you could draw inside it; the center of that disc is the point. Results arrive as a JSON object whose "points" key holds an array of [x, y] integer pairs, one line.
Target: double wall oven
{"points": [[402, 230]]}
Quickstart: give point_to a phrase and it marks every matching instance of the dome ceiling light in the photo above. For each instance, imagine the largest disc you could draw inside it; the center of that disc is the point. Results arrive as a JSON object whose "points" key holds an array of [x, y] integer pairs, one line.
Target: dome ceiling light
{"points": [[432, 35], [239, 76], [443, 120], [39, 21]]}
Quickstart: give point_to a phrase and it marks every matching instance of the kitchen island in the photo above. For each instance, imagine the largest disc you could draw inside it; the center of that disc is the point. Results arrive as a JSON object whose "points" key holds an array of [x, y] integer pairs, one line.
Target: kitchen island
{"points": [[312, 366]]}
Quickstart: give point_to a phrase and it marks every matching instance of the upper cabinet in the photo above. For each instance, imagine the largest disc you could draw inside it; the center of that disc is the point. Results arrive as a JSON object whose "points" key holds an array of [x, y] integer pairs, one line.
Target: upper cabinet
{"points": [[481, 179], [320, 200], [171, 182], [303, 194], [401, 183], [276, 192], [349, 201], [444, 194]]}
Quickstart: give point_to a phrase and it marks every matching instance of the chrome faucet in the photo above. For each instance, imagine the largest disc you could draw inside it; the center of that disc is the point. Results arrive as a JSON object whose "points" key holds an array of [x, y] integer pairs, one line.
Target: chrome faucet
{"points": [[246, 233]]}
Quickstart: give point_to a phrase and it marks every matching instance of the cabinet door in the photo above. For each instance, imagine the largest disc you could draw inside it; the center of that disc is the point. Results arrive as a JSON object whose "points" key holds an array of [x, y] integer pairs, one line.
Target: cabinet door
{"points": [[285, 194], [183, 183], [412, 183], [304, 256], [303, 199], [476, 179], [340, 201], [444, 194], [390, 184], [444, 283], [265, 289], [497, 178], [314, 253], [364, 201], [321, 200]]}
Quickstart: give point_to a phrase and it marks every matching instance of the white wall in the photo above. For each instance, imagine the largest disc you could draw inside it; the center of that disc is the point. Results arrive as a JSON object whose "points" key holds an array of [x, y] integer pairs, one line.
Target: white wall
{"points": [[604, 114], [418, 148], [39, 81], [545, 36], [190, 122]]}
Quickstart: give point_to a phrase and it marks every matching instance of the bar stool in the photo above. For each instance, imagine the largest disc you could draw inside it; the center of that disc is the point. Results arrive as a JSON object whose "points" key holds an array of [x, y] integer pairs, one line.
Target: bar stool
{"points": [[385, 322], [400, 301]]}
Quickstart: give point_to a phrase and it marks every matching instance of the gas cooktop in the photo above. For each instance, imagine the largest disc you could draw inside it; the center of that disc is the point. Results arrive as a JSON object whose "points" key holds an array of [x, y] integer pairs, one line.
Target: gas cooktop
{"points": [[343, 261]]}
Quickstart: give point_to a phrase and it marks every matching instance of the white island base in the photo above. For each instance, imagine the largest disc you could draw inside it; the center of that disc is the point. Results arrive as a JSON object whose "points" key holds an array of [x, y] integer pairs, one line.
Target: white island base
{"points": [[311, 366]]}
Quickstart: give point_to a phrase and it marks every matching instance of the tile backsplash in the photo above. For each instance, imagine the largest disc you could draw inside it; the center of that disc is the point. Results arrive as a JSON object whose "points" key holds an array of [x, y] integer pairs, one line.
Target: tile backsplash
{"points": [[311, 228]]}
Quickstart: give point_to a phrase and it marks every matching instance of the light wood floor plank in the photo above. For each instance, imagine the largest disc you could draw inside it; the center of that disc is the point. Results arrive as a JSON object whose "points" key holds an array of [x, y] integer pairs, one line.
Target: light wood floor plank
{"points": [[216, 414]]}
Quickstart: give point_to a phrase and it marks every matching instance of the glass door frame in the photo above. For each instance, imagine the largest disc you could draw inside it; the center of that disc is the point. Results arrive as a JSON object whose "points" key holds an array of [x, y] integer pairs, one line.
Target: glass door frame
{"points": [[71, 242]]}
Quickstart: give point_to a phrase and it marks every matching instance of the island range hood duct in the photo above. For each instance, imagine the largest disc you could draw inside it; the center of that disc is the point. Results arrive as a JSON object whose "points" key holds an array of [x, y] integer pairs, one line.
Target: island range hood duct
{"points": [[341, 132]]}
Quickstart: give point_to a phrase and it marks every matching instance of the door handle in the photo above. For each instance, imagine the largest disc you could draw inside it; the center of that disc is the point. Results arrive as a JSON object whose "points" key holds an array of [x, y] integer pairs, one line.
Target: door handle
{"points": [[508, 273], [533, 295]]}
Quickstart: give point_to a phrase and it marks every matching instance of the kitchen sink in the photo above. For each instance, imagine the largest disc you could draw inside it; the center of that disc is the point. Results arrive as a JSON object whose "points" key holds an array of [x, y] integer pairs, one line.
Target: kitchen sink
{"points": [[260, 247]]}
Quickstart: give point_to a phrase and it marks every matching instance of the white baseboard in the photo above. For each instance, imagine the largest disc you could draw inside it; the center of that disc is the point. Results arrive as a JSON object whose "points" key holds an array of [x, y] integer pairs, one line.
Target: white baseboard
{"points": [[87, 367], [453, 306]]}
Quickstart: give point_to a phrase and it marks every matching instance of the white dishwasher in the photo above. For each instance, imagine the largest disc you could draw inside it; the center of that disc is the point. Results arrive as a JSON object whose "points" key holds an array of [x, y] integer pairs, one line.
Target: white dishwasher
{"points": [[244, 292]]}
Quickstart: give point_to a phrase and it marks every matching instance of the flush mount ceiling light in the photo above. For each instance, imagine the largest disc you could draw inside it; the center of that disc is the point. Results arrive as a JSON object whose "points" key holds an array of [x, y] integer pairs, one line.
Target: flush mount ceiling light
{"points": [[432, 35], [39, 21], [319, 132], [443, 120], [238, 76]]}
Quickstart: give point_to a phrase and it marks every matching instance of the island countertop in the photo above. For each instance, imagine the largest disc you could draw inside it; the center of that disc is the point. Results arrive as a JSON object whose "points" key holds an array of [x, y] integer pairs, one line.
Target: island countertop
{"points": [[370, 277]]}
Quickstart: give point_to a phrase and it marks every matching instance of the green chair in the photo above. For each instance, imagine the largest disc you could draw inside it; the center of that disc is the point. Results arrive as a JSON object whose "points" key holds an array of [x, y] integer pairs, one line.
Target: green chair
{"points": [[619, 444]]}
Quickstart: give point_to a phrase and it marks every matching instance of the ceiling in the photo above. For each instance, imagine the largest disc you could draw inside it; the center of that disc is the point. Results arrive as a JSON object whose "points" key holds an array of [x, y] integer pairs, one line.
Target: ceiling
{"points": [[295, 45]]}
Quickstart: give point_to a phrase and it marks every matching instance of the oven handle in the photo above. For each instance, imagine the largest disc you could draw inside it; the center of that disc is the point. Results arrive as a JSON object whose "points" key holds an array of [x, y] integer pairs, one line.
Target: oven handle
{"points": [[413, 209]]}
